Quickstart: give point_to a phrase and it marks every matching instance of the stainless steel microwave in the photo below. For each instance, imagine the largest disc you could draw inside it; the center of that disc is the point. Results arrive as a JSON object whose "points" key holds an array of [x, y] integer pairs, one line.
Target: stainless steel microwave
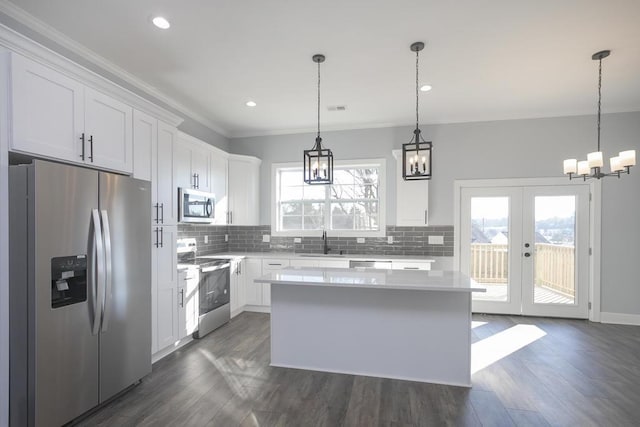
{"points": [[196, 206]]}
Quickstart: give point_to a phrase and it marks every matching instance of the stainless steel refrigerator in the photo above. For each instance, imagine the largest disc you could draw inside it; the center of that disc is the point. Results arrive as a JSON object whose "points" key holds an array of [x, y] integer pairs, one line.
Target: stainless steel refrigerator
{"points": [[80, 290]]}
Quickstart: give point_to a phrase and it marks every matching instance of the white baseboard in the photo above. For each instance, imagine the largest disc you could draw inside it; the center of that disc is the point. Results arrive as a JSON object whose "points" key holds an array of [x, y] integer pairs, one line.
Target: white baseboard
{"points": [[257, 308], [620, 318], [168, 350]]}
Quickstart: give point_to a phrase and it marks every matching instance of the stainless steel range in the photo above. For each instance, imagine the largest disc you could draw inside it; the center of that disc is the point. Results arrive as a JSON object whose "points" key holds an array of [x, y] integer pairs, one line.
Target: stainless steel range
{"points": [[214, 309]]}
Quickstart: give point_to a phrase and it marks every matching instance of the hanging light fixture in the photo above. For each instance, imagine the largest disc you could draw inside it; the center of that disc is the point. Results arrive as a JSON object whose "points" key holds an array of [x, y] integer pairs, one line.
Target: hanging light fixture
{"points": [[592, 167], [416, 154], [318, 162]]}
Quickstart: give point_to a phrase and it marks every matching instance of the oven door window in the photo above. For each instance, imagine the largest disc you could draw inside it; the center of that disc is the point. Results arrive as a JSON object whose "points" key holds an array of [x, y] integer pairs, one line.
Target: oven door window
{"points": [[213, 289], [194, 206]]}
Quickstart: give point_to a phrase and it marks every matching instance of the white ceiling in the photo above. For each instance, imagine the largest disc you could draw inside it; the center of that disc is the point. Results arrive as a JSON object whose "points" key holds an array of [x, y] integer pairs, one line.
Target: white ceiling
{"points": [[487, 60]]}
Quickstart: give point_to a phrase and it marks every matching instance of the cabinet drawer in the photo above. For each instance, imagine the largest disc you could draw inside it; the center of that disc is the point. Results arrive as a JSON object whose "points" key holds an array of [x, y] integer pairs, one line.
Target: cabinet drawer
{"points": [[404, 265], [274, 264]]}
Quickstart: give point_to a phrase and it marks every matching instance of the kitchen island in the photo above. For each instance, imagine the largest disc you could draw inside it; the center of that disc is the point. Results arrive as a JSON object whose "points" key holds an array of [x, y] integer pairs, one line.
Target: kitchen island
{"points": [[403, 324]]}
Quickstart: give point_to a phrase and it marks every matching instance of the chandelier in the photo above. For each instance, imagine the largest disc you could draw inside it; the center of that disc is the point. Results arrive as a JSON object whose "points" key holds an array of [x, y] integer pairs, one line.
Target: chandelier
{"points": [[592, 167]]}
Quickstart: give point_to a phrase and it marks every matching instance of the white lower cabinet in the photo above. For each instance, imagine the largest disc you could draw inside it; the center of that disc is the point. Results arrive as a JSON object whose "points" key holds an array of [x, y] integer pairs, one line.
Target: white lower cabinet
{"points": [[253, 269], [238, 298], [188, 299], [268, 265], [165, 283]]}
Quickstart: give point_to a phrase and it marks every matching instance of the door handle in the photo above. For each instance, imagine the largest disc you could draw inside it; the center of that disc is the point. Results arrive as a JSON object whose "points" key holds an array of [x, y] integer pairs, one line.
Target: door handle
{"points": [[108, 297], [197, 180], [97, 275], [181, 297], [91, 147], [230, 217], [426, 217], [82, 139]]}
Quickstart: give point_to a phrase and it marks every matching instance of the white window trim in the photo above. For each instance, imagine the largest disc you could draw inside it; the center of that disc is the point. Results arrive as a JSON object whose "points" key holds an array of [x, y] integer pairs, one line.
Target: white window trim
{"points": [[382, 220]]}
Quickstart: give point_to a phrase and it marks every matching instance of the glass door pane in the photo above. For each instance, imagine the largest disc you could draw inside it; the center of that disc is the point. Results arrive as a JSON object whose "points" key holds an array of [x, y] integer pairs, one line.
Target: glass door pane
{"points": [[489, 244], [554, 254]]}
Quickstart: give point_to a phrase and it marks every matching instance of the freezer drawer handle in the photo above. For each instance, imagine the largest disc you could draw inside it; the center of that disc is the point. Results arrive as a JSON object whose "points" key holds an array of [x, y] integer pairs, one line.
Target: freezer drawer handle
{"points": [[97, 275], [108, 297]]}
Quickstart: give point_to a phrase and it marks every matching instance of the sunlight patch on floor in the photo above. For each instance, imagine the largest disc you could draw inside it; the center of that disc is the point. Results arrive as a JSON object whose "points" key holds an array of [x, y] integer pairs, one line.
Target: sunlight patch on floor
{"points": [[475, 324], [490, 350], [227, 371]]}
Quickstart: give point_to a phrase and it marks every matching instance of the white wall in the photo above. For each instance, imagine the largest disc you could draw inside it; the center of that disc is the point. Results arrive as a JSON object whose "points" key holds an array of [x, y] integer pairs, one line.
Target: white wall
{"points": [[501, 149]]}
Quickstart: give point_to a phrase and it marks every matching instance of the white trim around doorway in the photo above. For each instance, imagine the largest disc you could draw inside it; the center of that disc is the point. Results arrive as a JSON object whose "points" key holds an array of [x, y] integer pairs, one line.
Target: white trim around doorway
{"points": [[595, 223]]}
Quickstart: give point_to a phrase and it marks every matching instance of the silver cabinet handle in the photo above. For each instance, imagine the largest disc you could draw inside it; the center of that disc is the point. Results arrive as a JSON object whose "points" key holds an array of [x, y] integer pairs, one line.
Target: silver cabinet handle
{"points": [[411, 268], [91, 147], [426, 217], [97, 276], [108, 297], [82, 139], [274, 264], [181, 297], [231, 217]]}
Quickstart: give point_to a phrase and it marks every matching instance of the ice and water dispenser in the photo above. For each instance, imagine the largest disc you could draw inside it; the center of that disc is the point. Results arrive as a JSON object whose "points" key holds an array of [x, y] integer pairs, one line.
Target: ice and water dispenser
{"points": [[68, 280]]}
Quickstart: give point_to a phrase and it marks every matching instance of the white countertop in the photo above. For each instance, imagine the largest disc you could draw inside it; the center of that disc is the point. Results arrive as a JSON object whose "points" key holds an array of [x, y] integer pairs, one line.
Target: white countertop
{"points": [[267, 255], [425, 280]]}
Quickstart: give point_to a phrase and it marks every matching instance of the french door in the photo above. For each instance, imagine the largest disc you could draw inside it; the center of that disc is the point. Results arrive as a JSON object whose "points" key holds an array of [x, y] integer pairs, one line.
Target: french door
{"points": [[528, 246]]}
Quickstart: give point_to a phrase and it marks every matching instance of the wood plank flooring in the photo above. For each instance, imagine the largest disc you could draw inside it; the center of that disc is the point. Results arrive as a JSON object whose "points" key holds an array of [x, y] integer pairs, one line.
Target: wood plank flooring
{"points": [[577, 374]]}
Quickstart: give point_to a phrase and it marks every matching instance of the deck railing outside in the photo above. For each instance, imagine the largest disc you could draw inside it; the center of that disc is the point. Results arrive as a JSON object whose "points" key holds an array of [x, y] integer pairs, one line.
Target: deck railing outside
{"points": [[554, 265]]}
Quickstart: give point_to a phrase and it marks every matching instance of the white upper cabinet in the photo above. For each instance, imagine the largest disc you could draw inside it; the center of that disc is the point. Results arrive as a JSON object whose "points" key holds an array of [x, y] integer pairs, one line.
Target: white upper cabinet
{"points": [[244, 190], [219, 173], [58, 117], [108, 131], [145, 136], [412, 198], [193, 163], [47, 111], [166, 188]]}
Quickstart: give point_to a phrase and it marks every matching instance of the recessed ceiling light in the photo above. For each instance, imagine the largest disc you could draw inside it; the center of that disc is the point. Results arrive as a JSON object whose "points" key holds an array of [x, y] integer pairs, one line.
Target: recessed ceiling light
{"points": [[425, 88], [161, 22], [251, 104]]}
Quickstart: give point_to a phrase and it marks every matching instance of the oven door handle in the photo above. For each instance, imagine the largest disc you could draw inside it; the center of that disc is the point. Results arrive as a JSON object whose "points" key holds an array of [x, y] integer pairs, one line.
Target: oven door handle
{"points": [[217, 267]]}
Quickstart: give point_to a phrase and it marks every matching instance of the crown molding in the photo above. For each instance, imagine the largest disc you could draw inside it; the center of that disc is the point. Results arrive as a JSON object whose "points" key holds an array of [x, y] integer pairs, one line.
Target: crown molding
{"points": [[34, 50], [362, 126]]}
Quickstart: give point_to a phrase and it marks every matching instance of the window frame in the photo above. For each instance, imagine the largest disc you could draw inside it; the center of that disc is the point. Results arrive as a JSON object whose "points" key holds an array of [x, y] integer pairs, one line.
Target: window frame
{"points": [[379, 163]]}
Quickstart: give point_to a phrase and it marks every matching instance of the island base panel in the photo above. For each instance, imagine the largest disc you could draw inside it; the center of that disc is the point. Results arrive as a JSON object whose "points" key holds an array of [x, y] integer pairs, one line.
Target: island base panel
{"points": [[412, 335]]}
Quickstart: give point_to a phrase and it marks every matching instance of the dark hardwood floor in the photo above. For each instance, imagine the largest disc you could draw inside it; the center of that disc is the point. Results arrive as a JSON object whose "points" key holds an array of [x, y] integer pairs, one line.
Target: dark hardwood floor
{"points": [[573, 373]]}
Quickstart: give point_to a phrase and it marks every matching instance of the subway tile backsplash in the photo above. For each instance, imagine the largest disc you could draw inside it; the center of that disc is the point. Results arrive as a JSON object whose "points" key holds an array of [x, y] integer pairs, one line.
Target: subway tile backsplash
{"points": [[411, 241]]}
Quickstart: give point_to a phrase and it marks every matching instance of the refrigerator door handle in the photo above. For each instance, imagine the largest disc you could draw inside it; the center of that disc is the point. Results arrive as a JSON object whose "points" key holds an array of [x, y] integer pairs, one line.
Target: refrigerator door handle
{"points": [[97, 276], [108, 276]]}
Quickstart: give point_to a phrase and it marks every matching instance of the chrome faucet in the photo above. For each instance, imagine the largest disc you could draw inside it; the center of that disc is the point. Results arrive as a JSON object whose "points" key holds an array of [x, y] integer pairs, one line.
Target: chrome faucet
{"points": [[326, 248]]}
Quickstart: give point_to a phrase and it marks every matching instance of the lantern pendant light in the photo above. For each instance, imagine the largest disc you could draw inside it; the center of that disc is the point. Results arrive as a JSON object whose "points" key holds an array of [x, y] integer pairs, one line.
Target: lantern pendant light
{"points": [[416, 154], [592, 167], [318, 162]]}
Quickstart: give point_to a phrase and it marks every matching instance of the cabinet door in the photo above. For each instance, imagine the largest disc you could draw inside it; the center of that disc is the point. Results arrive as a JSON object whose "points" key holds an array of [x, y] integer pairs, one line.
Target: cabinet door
{"points": [[412, 200], [145, 136], [166, 187], [167, 310], [333, 263], [201, 168], [233, 287], [254, 290], [188, 300], [109, 123], [242, 293], [47, 111], [219, 163], [182, 165], [244, 191], [410, 265]]}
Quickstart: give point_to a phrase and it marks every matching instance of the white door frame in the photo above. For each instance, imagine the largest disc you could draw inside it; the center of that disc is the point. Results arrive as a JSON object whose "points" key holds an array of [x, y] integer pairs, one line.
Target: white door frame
{"points": [[595, 220]]}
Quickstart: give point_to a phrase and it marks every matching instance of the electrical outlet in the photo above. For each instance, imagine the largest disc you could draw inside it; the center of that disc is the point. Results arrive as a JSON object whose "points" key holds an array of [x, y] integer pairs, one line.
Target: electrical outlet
{"points": [[390, 239], [206, 239], [226, 237], [360, 239], [297, 240], [266, 238], [436, 240]]}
